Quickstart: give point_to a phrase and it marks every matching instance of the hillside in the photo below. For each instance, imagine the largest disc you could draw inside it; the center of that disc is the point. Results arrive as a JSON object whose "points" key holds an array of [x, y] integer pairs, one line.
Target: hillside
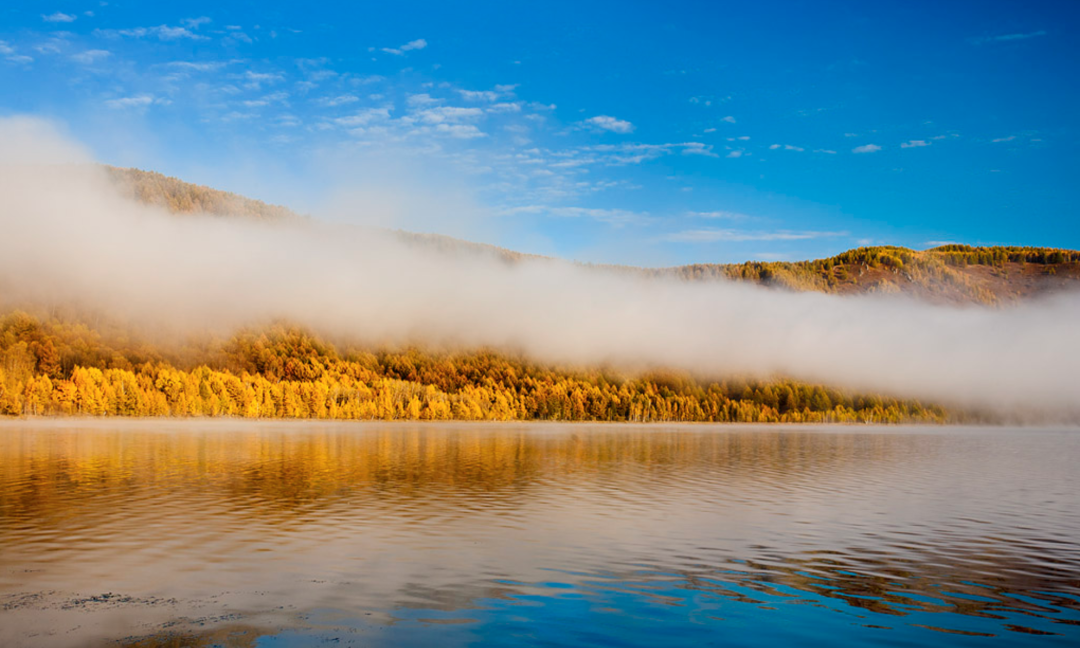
{"points": [[58, 360], [956, 274], [946, 274]]}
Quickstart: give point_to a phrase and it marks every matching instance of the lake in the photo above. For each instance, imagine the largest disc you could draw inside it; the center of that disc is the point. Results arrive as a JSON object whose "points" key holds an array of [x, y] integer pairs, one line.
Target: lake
{"points": [[230, 533]]}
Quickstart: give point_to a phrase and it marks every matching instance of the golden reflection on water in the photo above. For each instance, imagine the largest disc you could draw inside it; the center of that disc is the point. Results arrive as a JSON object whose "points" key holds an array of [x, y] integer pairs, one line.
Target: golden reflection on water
{"points": [[121, 529]]}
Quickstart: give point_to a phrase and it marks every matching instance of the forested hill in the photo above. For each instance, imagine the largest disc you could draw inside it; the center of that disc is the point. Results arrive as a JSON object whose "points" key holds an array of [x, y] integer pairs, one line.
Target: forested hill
{"points": [[185, 198], [946, 274], [955, 274]]}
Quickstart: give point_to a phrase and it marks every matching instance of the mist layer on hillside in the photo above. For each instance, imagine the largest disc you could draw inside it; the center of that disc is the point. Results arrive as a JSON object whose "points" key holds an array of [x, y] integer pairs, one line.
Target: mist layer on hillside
{"points": [[67, 237]]}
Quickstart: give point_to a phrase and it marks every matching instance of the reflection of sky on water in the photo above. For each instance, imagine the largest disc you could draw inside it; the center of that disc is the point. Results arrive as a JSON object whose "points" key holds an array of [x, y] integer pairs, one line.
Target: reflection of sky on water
{"points": [[560, 534]]}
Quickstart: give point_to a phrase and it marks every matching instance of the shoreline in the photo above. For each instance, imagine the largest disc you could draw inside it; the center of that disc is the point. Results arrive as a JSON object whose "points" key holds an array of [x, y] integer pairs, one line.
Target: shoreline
{"points": [[226, 423]]}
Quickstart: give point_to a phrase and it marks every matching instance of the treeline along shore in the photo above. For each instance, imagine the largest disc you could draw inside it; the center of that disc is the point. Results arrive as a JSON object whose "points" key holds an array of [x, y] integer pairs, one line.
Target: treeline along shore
{"points": [[56, 367]]}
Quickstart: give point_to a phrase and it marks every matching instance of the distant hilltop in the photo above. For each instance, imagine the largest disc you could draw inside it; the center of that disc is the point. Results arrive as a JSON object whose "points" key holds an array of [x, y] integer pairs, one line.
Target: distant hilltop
{"points": [[948, 274]]}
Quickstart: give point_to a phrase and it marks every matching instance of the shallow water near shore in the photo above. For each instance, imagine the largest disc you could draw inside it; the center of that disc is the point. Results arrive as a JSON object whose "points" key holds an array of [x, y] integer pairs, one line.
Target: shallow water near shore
{"points": [[234, 533]]}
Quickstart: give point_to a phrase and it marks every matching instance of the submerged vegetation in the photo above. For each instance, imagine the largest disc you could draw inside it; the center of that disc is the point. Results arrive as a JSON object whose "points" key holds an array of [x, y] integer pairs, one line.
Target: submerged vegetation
{"points": [[56, 367]]}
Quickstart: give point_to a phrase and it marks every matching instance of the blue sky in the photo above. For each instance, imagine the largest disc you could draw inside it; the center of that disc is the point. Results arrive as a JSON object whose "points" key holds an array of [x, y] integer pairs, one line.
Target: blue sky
{"points": [[628, 132]]}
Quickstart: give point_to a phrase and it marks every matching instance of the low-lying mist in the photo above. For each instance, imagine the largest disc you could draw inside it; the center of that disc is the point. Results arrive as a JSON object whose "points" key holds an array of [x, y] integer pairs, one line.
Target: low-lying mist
{"points": [[66, 236]]}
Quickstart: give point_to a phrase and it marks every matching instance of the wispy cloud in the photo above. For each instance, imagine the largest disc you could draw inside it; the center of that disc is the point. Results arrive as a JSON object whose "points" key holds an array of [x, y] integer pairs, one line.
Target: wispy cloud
{"points": [[417, 44], [698, 148], [866, 148], [197, 66], [255, 80], [137, 101], [739, 236], [721, 214], [608, 123], [826, 151], [364, 117], [276, 97], [615, 217], [194, 23], [786, 147], [90, 56], [1003, 38], [10, 54], [479, 95], [161, 32], [340, 100], [1004, 139], [422, 99], [457, 131], [59, 17], [914, 144], [505, 107], [729, 119], [443, 115]]}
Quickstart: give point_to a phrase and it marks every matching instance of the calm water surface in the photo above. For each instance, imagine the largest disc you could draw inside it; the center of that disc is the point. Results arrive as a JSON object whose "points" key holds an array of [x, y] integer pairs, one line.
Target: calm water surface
{"points": [[148, 533]]}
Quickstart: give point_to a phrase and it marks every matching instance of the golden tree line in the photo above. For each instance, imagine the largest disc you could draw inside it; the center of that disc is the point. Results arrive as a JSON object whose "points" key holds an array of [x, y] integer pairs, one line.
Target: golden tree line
{"points": [[53, 367]]}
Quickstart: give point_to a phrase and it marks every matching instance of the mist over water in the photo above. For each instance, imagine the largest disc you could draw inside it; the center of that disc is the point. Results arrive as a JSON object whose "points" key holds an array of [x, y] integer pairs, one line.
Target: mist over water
{"points": [[69, 238]]}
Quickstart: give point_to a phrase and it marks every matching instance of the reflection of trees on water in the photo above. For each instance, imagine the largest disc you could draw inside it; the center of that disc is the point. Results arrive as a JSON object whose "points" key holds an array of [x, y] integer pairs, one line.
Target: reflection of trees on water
{"points": [[280, 474], [285, 478]]}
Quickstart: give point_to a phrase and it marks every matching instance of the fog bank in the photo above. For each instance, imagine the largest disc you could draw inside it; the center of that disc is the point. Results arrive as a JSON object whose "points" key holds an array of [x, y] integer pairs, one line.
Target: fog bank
{"points": [[66, 236]]}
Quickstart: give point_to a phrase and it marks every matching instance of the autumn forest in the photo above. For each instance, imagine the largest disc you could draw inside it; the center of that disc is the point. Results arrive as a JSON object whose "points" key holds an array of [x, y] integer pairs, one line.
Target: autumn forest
{"points": [[55, 362]]}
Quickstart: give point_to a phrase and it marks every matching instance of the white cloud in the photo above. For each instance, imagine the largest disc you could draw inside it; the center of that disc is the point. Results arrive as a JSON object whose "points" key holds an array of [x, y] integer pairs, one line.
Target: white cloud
{"points": [[444, 114], [90, 56], [137, 101], [479, 95], [422, 99], [608, 123], [786, 147], [615, 217], [10, 54], [1004, 139], [735, 154], [267, 100], [59, 17], [914, 144], [505, 107], [161, 32], [725, 215], [459, 131], [867, 148], [738, 236], [729, 119], [417, 44], [828, 151], [364, 117], [208, 66], [710, 130], [697, 148], [255, 80], [340, 100], [194, 23]]}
